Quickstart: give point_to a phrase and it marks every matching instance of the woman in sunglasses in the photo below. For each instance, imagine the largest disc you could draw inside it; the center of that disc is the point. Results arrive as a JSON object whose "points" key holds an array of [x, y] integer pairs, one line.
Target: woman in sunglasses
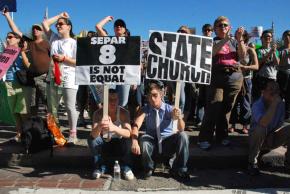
{"points": [[39, 61], [226, 83], [17, 94], [63, 52]]}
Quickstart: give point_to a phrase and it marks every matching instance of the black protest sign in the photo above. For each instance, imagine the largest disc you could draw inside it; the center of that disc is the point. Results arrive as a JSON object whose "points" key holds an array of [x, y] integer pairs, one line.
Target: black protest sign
{"points": [[179, 57], [110, 60]]}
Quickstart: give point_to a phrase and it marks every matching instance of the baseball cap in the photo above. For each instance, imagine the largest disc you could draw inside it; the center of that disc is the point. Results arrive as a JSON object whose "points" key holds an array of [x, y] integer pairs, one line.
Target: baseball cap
{"points": [[120, 22], [37, 26]]}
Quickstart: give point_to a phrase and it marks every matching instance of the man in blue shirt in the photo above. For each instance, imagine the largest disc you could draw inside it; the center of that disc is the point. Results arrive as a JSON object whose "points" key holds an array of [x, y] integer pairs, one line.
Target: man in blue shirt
{"points": [[267, 129], [160, 137]]}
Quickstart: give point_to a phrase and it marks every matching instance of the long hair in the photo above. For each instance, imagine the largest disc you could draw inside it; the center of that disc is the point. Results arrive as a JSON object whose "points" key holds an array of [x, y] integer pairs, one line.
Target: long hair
{"points": [[68, 22], [21, 40]]}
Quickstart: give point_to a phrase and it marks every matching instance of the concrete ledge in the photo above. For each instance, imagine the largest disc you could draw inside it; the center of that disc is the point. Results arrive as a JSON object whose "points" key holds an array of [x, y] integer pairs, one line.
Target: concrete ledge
{"points": [[79, 156]]}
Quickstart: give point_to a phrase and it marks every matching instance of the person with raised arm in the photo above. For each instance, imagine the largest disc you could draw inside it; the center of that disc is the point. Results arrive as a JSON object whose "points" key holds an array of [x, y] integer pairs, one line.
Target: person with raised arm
{"points": [[62, 72], [39, 61]]}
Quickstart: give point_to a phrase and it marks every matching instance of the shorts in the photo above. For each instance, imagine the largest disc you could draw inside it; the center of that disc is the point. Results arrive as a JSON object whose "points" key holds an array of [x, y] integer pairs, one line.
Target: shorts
{"points": [[18, 97]]}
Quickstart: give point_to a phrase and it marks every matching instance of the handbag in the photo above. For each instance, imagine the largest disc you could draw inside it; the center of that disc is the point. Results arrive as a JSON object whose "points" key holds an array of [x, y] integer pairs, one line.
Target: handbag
{"points": [[24, 77]]}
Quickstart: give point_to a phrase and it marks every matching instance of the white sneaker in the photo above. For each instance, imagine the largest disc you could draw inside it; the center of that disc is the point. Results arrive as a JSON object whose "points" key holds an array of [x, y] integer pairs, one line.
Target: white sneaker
{"points": [[97, 174], [72, 140], [88, 126], [128, 175]]}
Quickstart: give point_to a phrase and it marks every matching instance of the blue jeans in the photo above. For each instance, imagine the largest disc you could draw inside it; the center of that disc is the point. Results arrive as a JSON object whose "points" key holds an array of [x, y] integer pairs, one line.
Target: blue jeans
{"points": [[175, 144], [123, 93], [105, 153]]}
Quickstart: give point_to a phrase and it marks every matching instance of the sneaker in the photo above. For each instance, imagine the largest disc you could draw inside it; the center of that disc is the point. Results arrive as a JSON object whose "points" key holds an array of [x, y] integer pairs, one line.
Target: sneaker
{"points": [[148, 174], [180, 175], [231, 130], [88, 126], [72, 140], [225, 142], [245, 130], [98, 172], [128, 175], [188, 129], [287, 120], [16, 139], [204, 145], [81, 122], [253, 169], [199, 124]]}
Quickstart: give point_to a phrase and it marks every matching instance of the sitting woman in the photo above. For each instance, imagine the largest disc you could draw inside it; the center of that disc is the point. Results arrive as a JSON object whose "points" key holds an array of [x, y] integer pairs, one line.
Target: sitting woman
{"points": [[110, 138]]}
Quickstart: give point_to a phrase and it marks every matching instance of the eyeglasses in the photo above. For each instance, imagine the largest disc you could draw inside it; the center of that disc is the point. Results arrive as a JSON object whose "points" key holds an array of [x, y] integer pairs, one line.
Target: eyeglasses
{"points": [[60, 24], [10, 37], [223, 25]]}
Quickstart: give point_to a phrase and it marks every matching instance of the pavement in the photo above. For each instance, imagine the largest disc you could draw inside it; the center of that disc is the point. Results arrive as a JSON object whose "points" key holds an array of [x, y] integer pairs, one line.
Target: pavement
{"points": [[220, 168]]}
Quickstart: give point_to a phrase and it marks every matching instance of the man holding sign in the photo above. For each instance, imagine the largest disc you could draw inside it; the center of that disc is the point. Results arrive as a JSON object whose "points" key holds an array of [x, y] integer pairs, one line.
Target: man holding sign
{"points": [[160, 137]]}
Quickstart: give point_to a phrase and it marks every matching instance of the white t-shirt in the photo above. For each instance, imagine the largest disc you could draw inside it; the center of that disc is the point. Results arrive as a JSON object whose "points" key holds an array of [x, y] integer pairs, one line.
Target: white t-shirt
{"points": [[68, 48]]}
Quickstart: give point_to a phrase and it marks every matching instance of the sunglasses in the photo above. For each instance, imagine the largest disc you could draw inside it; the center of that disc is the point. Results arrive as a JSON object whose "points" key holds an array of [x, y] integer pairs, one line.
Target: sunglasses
{"points": [[267, 36], [182, 31], [10, 37], [60, 24], [207, 30], [37, 28], [223, 25]]}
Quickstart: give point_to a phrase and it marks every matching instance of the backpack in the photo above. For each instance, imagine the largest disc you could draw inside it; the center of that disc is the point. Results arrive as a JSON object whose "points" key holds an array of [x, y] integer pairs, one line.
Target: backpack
{"points": [[35, 136]]}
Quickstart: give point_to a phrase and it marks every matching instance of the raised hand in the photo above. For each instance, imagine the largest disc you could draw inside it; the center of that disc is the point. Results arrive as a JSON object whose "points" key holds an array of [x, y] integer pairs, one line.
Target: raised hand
{"points": [[64, 15], [240, 33]]}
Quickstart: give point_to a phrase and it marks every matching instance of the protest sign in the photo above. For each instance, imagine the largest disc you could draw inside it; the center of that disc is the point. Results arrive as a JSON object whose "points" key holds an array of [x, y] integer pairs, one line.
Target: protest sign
{"points": [[108, 60], [179, 57], [256, 31], [7, 57], [8, 4]]}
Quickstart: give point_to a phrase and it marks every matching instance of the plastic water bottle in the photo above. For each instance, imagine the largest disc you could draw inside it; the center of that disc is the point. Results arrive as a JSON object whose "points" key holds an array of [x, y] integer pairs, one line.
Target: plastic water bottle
{"points": [[117, 171]]}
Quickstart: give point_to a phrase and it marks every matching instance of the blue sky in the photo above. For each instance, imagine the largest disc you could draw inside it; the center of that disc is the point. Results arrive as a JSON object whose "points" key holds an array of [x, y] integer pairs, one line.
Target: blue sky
{"points": [[166, 15]]}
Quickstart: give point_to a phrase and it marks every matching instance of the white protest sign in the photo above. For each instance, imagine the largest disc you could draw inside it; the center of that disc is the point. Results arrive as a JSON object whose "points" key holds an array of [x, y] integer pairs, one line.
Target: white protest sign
{"points": [[108, 60], [179, 57]]}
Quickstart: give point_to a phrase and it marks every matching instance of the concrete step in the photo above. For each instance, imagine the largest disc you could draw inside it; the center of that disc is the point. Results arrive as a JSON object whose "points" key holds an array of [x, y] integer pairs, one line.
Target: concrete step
{"points": [[78, 156]]}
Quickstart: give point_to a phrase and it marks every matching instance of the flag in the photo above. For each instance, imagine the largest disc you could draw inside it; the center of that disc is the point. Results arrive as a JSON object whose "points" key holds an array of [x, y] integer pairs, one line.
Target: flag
{"points": [[9, 4]]}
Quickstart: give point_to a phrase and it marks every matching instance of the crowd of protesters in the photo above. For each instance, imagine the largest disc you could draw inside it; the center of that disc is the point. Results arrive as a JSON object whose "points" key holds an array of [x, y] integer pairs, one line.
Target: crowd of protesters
{"points": [[249, 86]]}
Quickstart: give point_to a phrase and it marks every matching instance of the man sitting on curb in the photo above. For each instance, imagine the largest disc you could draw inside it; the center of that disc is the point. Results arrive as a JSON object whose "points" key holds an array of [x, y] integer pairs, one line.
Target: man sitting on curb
{"points": [[267, 129], [160, 137]]}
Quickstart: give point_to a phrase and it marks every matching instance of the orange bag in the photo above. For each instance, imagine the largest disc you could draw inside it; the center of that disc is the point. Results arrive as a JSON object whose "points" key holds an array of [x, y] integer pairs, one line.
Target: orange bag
{"points": [[54, 129]]}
